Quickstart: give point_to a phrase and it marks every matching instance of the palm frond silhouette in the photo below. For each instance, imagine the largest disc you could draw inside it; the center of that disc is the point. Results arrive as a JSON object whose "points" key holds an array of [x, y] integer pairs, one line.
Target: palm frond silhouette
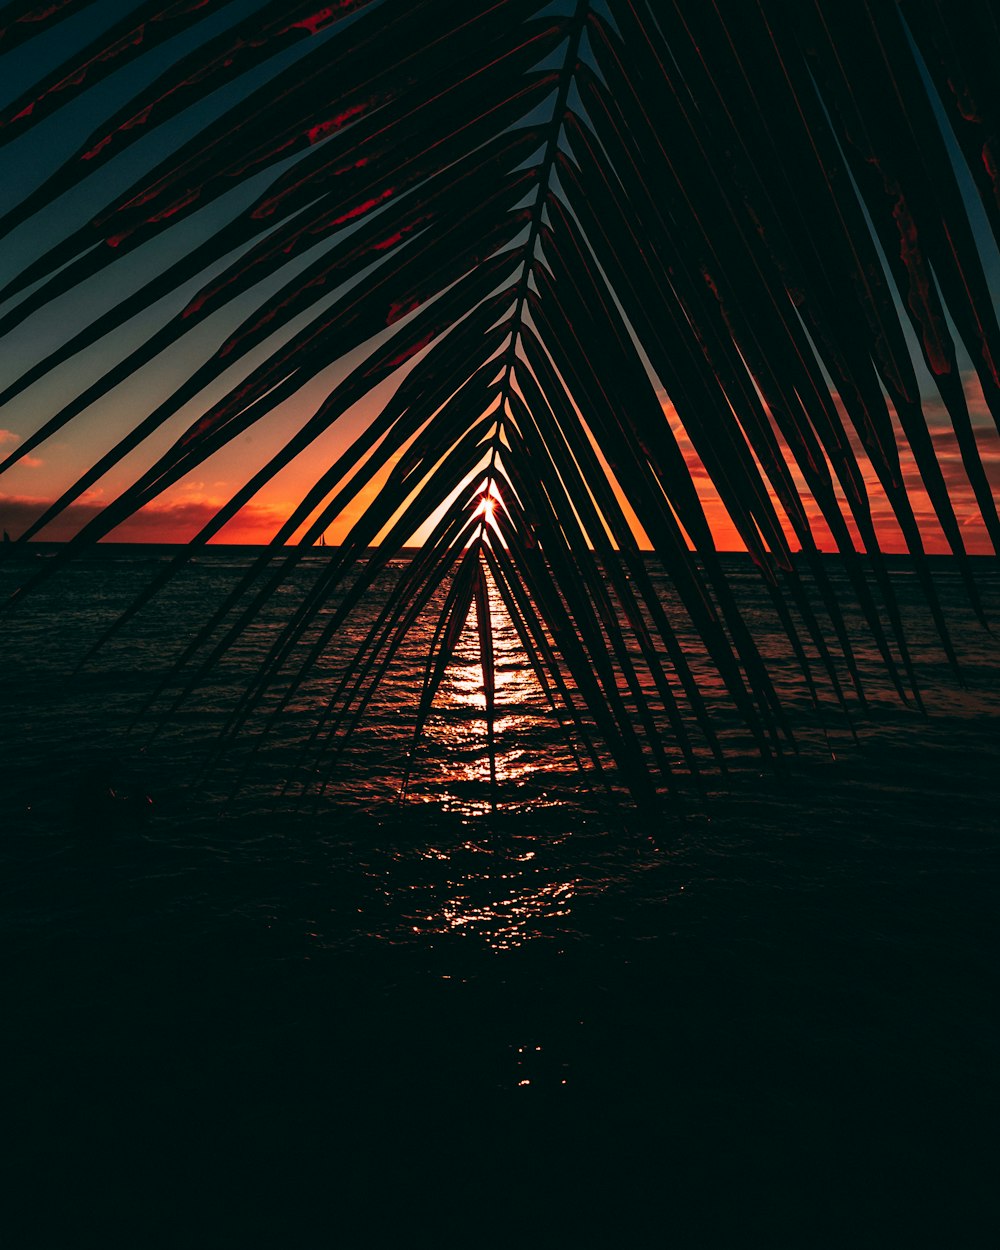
{"points": [[586, 256]]}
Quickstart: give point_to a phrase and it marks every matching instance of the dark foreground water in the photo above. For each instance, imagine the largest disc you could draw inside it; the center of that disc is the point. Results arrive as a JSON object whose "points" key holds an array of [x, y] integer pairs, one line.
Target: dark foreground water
{"points": [[768, 1019]]}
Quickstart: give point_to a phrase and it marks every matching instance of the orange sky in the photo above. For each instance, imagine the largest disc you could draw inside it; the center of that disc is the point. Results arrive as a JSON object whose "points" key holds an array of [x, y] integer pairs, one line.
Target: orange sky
{"points": [[180, 512]]}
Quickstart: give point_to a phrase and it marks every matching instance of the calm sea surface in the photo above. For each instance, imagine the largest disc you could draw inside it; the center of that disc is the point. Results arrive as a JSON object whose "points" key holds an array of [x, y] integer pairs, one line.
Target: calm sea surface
{"points": [[792, 983]]}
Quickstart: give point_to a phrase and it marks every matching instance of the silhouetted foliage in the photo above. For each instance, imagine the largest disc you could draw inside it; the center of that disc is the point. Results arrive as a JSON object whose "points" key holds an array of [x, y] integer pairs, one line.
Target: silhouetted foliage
{"points": [[562, 232]]}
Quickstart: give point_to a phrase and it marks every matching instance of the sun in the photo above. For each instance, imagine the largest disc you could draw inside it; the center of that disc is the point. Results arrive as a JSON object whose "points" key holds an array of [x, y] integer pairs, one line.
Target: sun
{"points": [[488, 501]]}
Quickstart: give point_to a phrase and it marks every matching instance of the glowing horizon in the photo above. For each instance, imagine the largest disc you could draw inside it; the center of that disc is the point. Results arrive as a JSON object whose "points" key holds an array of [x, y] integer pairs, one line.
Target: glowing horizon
{"points": [[177, 515]]}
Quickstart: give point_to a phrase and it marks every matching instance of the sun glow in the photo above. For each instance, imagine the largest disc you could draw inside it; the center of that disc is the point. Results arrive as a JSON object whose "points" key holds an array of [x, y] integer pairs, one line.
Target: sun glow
{"points": [[488, 501]]}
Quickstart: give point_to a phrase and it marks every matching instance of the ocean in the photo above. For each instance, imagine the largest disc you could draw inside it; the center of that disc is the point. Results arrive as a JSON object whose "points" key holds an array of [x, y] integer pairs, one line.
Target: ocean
{"points": [[772, 1007]]}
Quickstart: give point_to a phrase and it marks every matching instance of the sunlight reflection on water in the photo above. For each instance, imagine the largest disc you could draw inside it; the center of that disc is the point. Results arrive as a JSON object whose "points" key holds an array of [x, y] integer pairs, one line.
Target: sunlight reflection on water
{"points": [[456, 736], [505, 897], [500, 901]]}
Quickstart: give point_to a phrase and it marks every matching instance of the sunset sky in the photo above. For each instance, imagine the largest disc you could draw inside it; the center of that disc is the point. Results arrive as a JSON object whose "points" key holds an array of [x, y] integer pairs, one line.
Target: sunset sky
{"points": [[180, 512]]}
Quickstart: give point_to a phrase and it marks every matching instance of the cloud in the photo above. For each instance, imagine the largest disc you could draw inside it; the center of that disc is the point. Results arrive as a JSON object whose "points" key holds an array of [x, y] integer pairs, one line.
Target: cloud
{"points": [[164, 522], [8, 436], [31, 462]]}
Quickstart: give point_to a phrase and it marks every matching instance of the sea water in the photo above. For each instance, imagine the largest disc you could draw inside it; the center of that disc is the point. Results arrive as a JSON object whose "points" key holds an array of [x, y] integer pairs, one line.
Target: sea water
{"points": [[795, 971]]}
